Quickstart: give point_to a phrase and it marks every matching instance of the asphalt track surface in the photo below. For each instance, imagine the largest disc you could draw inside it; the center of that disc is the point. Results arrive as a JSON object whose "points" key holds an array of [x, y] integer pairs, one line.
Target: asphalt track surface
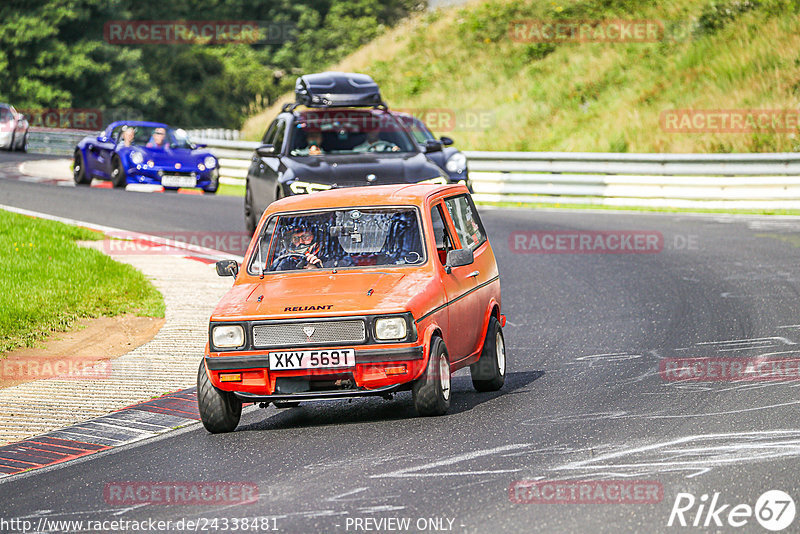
{"points": [[583, 400]]}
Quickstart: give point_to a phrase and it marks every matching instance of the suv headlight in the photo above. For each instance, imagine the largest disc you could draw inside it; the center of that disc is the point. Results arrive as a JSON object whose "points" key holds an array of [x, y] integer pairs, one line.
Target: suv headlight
{"points": [[391, 328], [440, 180], [299, 187], [137, 158], [456, 163], [210, 162], [227, 336]]}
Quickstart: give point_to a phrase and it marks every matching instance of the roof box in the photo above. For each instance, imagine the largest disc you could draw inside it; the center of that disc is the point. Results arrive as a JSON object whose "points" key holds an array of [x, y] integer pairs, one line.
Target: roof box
{"points": [[337, 89]]}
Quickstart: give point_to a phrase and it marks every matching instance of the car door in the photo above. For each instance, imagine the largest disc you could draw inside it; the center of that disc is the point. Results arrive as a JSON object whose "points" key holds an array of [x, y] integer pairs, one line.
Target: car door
{"points": [[458, 335], [472, 279], [99, 152]]}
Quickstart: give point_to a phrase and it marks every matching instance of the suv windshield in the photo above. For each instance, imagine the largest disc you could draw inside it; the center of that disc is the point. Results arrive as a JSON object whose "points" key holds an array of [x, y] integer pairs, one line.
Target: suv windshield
{"points": [[348, 132], [417, 129], [345, 237]]}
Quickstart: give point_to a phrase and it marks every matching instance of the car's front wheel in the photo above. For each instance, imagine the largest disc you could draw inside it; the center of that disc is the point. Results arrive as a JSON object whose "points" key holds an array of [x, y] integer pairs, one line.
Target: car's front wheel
{"points": [[79, 174], [431, 392], [24, 146], [220, 410], [118, 177], [489, 372]]}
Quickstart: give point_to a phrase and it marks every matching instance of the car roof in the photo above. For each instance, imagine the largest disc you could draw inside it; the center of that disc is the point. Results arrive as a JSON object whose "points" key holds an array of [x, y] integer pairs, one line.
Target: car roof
{"points": [[373, 195]]}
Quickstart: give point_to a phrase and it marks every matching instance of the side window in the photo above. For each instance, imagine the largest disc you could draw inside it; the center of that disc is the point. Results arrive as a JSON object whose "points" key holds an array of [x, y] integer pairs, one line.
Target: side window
{"points": [[5, 115], [279, 134], [270, 135], [466, 221], [443, 241]]}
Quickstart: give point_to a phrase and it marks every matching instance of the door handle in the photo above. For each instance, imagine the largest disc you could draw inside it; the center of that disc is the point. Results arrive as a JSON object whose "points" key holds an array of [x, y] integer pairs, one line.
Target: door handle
{"points": [[473, 274]]}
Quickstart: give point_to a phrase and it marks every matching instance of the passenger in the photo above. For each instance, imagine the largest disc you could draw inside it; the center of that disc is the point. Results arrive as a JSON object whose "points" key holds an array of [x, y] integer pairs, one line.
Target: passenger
{"points": [[158, 139], [128, 133]]}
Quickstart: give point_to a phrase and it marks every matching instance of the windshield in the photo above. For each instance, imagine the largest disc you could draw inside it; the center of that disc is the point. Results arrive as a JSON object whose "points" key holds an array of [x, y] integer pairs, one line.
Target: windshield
{"points": [[151, 137], [417, 128], [351, 237], [348, 132]]}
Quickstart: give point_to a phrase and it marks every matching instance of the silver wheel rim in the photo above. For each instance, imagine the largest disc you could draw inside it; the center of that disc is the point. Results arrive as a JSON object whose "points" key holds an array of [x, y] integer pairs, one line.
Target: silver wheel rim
{"points": [[444, 376], [77, 168], [500, 351]]}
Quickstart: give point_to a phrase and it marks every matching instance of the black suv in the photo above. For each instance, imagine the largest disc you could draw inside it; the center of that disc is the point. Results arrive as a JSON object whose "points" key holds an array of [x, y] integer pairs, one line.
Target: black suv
{"points": [[347, 138]]}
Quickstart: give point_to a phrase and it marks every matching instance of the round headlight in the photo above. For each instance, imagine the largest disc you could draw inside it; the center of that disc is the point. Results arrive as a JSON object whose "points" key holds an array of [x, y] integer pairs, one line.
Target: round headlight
{"points": [[390, 328], [456, 163], [210, 162], [228, 336], [137, 158]]}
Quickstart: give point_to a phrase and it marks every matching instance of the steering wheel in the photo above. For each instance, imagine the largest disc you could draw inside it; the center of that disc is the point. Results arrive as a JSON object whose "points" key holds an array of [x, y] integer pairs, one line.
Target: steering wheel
{"points": [[384, 146], [287, 255]]}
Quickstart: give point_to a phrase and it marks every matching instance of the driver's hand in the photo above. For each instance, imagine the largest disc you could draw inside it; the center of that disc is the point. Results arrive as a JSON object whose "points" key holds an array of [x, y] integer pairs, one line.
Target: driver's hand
{"points": [[395, 148], [312, 260]]}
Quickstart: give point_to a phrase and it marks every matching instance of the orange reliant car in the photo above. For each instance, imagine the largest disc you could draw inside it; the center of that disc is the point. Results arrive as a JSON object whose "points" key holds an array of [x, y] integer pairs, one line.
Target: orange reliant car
{"points": [[356, 292]]}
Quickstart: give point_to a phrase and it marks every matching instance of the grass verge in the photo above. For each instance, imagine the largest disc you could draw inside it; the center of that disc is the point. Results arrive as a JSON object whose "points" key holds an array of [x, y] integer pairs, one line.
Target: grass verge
{"points": [[49, 281], [231, 190]]}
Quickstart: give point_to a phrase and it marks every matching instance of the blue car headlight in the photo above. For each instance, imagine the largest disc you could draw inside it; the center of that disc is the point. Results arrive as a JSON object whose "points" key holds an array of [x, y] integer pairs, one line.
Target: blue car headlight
{"points": [[210, 162], [137, 158]]}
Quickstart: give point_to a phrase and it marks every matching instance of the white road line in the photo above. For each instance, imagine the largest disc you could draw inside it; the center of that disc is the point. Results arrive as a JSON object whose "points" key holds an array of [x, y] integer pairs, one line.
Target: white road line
{"points": [[411, 472]]}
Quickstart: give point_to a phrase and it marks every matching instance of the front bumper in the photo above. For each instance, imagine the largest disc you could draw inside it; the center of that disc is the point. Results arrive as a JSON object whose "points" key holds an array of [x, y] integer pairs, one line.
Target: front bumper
{"points": [[367, 378], [146, 175]]}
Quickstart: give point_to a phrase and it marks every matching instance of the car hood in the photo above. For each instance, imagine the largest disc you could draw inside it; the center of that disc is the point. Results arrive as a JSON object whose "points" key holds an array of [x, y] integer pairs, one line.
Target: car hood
{"points": [[324, 294], [352, 170], [167, 158]]}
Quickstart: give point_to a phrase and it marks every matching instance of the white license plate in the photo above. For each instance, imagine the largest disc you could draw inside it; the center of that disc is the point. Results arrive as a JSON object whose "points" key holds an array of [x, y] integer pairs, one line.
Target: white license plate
{"points": [[170, 180], [311, 359]]}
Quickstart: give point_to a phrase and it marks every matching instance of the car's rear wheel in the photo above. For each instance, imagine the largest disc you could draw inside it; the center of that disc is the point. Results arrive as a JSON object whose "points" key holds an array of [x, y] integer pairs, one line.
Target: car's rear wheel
{"points": [[12, 143], [24, 146], [250, 221], [118, 177], [79, 174], [431, 392], [286, 404], [489, 372], [220, 410]]}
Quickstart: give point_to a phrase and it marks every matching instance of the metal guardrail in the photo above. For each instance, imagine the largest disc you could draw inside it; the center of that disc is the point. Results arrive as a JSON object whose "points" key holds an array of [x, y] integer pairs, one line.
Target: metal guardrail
{"points": [[745, 181]]}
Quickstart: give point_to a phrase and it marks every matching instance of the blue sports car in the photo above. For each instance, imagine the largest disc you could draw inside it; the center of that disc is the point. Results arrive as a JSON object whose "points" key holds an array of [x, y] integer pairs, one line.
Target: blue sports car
{"points": [[139, 152]]}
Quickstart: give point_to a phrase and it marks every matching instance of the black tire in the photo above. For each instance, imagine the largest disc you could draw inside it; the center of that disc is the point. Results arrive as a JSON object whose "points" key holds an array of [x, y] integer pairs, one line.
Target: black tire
{"points": [[489, 372], [250, 221], [286, 404], [431, 392], [11, 144], [220, 411], [79, 170], [24, 146], [118, 177], [213, 186]]}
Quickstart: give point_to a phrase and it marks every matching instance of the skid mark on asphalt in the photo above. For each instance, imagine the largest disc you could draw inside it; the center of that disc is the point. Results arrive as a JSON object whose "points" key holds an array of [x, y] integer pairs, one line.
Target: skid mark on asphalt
{"points": [[424, 470]]}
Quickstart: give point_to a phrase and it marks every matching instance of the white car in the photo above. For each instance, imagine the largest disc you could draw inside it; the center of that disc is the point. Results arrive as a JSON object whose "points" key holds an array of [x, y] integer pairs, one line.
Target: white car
{"points": [[13, 129]]}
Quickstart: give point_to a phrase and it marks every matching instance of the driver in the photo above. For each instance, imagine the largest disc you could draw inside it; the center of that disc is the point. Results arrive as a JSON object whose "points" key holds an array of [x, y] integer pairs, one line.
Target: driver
{"points": [[302, 252], [373, 141]]}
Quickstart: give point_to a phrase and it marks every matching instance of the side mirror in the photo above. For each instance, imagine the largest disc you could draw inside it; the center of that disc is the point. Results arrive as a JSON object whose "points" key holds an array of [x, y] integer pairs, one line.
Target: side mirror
{"points": [[458, 258], [266, 151], [102, 138], [446, 141], [432, 145], [200, 145], [227, 268]]}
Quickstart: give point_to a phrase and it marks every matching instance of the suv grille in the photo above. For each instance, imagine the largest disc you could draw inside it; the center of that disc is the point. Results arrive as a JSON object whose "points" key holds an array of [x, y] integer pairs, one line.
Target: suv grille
{"points": [[297, 334]]}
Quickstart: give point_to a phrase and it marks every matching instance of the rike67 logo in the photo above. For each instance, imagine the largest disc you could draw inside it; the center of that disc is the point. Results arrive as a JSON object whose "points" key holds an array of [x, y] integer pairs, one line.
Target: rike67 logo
{"points": [[774, 510]]}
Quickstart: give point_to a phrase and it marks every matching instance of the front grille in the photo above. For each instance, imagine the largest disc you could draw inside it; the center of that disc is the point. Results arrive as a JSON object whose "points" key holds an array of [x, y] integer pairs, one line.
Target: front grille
{"points": [[295, 334]]}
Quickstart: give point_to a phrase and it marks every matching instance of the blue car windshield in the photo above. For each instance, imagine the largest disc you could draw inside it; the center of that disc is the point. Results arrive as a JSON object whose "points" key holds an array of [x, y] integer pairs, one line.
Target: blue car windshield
{"points": [[339, 238], [151, 137]]}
